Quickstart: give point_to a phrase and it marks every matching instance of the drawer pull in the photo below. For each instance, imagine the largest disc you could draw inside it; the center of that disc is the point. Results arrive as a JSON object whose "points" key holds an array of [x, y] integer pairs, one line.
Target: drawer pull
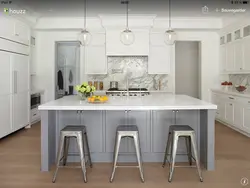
{"points": [[231, 98], [34, 114]]}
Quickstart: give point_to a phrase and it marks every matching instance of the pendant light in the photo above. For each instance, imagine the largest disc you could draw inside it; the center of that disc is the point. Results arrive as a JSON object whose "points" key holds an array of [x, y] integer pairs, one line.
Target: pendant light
{"points": [[170, 35], [127, 36], [85, 36]]}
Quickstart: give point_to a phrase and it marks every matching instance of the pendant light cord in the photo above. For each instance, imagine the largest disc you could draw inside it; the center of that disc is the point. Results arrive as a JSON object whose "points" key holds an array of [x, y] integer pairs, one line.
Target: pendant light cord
{"points": [[85, 10], [127, 14], [169, 12]]}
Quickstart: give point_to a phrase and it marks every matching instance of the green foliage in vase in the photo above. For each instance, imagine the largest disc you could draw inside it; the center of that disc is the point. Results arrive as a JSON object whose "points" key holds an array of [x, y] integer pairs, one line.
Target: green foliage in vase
{"points": [[84, 88]]}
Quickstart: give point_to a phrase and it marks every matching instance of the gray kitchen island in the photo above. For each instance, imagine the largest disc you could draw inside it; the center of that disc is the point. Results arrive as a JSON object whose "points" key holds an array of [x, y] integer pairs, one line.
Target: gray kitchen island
{"points": [[153, 114]]}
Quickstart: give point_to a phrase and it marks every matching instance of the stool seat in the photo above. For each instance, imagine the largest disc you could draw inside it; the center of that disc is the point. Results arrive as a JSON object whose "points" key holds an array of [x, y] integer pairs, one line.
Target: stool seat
{"points": [[74, 128], [121, 128], [180, 128]]}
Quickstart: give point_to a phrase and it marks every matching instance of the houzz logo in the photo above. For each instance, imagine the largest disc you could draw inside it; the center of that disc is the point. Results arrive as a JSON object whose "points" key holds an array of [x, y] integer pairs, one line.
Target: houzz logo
{"points": [[13, 11]]}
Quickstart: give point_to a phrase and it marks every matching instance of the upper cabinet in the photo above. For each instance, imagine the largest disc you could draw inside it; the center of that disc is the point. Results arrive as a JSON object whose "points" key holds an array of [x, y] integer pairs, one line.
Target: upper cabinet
{"points": [[115, 47], [160, 55], [234, 51], [95, 55], [14, 30]]}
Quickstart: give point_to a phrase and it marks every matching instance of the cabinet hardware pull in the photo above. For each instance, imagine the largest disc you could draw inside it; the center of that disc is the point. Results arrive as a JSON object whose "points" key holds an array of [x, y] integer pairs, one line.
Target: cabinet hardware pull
{"points": [[230, 104], [34, 114], [231, 98]]}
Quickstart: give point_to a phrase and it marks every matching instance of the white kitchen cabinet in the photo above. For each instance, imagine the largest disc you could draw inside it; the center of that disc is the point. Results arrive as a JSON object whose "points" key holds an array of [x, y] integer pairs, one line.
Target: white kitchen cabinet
{"points": [[14, 30], [21, 33], [5, 115], [230, 57], [5, 73], [238, 115], [230, 112], [115, 47], [223, 58], [246, 53], [95, 60], [246, 119], [20, 110], [238, 55], [159, 59]]}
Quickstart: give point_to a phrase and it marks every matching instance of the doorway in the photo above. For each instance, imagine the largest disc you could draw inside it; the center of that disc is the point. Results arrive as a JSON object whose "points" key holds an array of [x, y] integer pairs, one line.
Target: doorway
{"points": [[67, 65], [187, 68]]}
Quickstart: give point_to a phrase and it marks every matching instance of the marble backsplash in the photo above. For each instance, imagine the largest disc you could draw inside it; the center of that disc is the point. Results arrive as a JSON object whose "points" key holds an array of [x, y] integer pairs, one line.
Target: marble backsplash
{"points": [[240, 79], [135, 69]]}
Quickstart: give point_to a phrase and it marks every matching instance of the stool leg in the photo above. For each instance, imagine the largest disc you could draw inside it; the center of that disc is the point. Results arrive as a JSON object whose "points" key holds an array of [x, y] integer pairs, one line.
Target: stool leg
{"points": [[88, 151], [167, 149], [173, 155], [83, 165], [116, 151], [138, 155], [59, 153], [66, 149], [189, 151], [193, 140]]}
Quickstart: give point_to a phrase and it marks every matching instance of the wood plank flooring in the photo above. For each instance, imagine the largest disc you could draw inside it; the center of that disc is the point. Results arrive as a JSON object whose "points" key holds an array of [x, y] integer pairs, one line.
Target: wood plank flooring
{"points": [[20, 166]]}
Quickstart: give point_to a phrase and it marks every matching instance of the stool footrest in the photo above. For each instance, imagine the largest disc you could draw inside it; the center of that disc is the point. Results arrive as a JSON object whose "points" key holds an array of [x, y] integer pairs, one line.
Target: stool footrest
{"points": [[127, 166]]}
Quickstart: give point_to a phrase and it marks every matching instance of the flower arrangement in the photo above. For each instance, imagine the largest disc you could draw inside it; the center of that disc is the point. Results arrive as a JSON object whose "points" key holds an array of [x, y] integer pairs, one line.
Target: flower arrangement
{"points": [[227, 85], [85, 90]]}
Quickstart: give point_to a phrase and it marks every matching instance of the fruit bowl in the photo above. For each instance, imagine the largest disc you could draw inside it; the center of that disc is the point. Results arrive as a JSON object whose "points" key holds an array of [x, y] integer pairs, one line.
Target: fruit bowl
{"points": [[97, 99], [240, 88]]}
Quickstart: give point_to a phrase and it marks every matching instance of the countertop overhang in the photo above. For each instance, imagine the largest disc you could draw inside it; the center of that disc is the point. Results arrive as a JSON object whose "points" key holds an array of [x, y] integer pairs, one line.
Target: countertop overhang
{"points": [[150, 102]]}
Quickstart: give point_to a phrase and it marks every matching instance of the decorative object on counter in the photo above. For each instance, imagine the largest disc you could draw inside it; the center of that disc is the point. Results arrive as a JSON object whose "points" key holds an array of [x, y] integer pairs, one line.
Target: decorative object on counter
{"points": [[90, 83], [85, 90], [97, 99], [227, 86], [127, 36], [240, 88], [113, 85], [159, 85], [85, 36], [71, 88], [101, 85], [96, 84], [170, 35]]}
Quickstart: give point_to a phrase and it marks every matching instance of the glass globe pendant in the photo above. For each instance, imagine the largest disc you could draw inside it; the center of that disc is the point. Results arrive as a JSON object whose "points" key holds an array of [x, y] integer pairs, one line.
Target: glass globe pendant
{"points": [[170, 37], [170, 34], [85, 37], [127, 36]]}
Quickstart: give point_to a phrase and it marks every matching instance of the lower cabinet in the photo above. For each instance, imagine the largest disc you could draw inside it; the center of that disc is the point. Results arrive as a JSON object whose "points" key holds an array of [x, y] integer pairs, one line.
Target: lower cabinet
{"points": [[5, 115], [233, 110]]}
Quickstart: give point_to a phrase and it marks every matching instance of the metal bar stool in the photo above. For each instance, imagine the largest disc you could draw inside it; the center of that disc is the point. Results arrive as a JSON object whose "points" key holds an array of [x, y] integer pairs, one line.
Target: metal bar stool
{"points": [[175, 132], [80, 133], [122, 132]]}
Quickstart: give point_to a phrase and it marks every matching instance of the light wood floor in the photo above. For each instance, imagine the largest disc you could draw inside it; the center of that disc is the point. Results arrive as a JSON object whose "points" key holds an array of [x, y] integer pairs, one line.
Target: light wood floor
{"points": [[20, 166]]}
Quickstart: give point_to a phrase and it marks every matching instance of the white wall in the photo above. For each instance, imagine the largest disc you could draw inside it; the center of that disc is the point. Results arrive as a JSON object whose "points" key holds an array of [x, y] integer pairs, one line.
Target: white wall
{"points": [[210, 77]]}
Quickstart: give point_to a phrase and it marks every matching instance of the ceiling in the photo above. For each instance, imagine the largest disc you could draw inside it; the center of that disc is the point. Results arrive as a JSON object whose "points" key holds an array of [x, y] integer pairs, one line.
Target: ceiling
{"points": [[75, 8]]}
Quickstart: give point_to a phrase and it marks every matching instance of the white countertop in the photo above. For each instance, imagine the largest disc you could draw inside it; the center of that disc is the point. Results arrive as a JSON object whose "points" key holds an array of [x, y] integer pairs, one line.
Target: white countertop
{"points": [[232, 93], [151, 102]]}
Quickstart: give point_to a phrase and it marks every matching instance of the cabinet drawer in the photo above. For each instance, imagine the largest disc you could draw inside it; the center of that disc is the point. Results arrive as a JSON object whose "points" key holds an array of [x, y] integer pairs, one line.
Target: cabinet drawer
{"points": [[34, 115]]}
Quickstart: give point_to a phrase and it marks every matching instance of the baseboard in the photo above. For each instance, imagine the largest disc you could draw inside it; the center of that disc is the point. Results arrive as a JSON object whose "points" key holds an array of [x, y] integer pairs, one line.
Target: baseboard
{"points": [[233, 127]]}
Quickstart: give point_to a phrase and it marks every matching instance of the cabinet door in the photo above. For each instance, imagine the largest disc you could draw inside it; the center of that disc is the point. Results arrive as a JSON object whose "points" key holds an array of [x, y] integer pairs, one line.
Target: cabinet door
{"points": [[7, 29], [5, 115], [246, 54], [238, 115], [5, 73], [238, 56], [20, 110], [160, 127], [230, 112], [223, 58], [159, 59], [222, 109], [113, 119], [230, 57], [246, 118], [95, 60], [22, 32], [93, 122], [141, 120], [21, 72]]}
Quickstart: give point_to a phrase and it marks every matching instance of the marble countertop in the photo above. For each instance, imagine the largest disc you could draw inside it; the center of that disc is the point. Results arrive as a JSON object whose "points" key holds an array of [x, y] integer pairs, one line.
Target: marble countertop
{"points": [[232, 93], [156, 101]]}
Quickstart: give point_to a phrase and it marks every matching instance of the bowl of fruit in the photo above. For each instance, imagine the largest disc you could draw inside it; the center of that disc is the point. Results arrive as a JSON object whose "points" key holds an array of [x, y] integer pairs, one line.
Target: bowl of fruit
{"points": [[240, 88], [98, 99]]}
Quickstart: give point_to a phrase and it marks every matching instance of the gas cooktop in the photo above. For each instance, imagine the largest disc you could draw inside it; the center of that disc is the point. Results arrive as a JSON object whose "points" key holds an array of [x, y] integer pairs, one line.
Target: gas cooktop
{"points": [[131, 91]]}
